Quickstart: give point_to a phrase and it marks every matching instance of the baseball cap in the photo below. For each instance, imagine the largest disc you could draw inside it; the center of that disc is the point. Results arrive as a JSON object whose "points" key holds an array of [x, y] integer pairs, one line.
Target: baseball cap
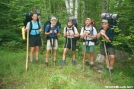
{"points": [[70, 20], [104, 21], [52, 18]]}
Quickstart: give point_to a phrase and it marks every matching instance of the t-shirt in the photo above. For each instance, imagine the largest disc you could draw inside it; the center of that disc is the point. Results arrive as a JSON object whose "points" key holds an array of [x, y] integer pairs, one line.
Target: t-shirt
{"points": [[53, 35], [110, 34], [70, 30], [88, 38], [35, 28]]}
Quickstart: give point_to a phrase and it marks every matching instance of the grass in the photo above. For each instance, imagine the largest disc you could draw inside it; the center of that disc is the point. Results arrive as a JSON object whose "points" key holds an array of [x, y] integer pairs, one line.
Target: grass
{"points": [[14, 76]]}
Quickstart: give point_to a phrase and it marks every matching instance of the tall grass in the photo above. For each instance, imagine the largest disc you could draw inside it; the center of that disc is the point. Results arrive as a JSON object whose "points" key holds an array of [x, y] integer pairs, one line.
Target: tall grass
{"points": [[14, 76]]}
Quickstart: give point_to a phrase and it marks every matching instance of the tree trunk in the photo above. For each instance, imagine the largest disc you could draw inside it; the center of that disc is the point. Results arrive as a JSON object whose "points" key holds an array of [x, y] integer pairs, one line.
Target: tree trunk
{"points": [[103, 6], [76, 8]]}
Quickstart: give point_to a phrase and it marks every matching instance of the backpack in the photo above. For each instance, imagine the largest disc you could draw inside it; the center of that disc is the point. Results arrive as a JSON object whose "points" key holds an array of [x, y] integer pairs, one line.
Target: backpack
{"points": [[74, 21], [76, 38], [93, 40], [31, 25], [93, 23], [28, 18], [49, 23]]}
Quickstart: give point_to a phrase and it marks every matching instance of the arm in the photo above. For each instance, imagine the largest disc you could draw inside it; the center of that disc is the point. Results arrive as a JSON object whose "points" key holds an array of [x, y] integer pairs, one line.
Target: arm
{"points": [[46, 30], [27, 26], [82, 34], [65, 33], [76, 31], [58, 33], [40, 27], [110, 37], [107, 38], [94, 36]]}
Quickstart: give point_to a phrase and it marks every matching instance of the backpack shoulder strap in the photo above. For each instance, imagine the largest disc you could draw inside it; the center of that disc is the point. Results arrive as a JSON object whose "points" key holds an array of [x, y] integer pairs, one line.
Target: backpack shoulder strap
{"points": [[92, 30], [84, 28], [66, 29], [73, 30], [38, 24], [31, 25], [49, 28]]}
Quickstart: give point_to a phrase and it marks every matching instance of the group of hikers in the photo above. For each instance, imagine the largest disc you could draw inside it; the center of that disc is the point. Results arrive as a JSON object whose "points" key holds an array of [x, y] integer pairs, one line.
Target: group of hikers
{"points": [[88, 33]]}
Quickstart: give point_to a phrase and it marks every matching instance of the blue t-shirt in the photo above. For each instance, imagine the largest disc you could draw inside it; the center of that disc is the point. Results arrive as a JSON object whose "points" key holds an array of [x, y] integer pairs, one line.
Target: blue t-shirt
{"points": [[53, 35], [110, 34], [35, 28]]}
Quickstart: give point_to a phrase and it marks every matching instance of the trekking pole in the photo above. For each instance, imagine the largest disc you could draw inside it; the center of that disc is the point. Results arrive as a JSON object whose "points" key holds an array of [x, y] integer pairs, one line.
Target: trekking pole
{"points": [[52, 51], [27, 50], [84, 55], [108, 61]]}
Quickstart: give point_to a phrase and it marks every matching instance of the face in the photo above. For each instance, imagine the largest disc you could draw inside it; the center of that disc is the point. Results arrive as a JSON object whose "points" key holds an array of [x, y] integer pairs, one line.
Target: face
{"points": [[53, 22], [105, 25], [69, 24], [34, 17], [87, 22]]}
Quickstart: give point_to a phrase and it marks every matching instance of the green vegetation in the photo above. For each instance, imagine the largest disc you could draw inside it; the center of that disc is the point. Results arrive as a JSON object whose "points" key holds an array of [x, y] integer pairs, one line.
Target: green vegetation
{"points": [[14, 76]]}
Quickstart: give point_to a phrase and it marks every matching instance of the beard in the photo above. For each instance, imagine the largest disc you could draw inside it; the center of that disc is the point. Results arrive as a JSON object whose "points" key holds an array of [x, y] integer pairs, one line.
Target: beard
{"points": [[69, 26], [87, 25], [53, 25]]}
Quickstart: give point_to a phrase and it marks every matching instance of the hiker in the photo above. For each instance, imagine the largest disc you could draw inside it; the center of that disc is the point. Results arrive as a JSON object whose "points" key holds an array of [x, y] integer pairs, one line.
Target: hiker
{"points": [[108, 34], [70, 32], [53, 32], [34, 27], [88, 34]]}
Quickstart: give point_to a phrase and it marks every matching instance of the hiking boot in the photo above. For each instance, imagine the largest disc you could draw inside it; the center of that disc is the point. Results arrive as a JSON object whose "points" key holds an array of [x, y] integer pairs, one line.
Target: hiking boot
{"points": [[87, 63], [91, 66], [46, 63], [63, 62], [73, 62]]}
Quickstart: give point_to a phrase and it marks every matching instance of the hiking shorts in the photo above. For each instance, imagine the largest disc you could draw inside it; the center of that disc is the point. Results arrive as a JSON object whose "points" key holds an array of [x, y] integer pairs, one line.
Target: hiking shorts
{"points": [[110, 51], [52, 43], [88, 48], [35, 40], [70, 44]]}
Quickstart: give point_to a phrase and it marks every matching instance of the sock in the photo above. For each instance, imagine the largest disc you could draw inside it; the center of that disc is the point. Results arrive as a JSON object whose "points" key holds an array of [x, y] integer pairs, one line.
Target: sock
{"points": [[86, 60], [37, 58], [46, 59], [31, 59], [110, 67], [91, 63], [54, 59]]}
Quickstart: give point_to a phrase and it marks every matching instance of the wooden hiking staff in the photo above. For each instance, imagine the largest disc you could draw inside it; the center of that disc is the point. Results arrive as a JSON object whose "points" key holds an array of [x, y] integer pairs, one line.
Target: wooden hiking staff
{"points": [[107, 60], [27, 48]]}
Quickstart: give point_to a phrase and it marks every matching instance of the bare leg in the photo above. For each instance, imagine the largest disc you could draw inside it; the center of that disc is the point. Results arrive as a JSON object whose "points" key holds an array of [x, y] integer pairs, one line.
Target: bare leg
{"points": [[112, 57], [64, 56], [64, 53], [47, 55], [37, 52], [31, 54], [54, 54], [73, 55], [91, 57]]}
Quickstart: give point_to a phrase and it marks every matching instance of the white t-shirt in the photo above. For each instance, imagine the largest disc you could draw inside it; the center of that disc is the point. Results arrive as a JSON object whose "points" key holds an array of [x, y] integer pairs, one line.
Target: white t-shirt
{"points": [[70, 30], [88, 38]]}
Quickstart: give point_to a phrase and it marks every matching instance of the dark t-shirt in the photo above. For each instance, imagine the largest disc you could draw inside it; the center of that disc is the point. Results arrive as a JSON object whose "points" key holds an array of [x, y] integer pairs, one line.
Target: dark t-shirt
{"points": [[110, 34]]}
